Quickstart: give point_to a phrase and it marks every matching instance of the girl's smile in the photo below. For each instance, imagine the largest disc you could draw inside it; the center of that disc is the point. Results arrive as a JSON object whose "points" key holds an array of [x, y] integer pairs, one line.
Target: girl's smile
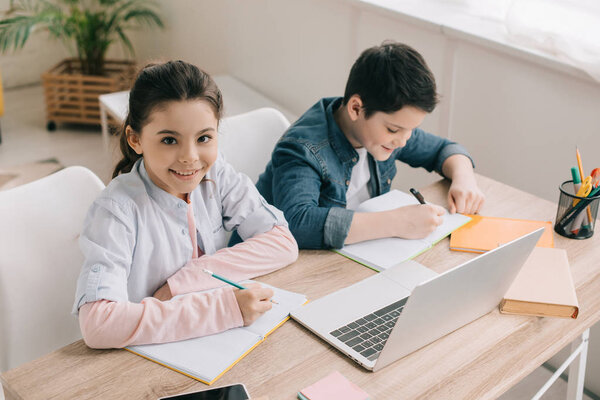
{"points": [[185, 174]]}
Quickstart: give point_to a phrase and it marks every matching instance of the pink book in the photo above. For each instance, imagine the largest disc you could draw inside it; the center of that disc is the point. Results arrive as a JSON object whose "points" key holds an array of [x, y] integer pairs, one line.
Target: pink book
{"points": [[334, 386]]}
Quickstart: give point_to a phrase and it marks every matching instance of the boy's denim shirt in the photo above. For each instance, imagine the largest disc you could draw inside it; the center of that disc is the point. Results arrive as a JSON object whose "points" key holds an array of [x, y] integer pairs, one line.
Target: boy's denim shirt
{"points": [[310, 169]]}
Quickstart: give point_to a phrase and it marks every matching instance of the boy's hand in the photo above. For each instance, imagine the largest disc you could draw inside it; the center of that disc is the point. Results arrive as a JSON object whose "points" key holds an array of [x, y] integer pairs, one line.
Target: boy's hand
{"points": [[417, 221], [163, 293], [253, 302], [464, 196]]}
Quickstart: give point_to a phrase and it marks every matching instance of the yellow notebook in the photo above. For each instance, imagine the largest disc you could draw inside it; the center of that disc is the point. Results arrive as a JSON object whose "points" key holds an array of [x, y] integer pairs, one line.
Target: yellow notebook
{"points": [[486, 233], [207, 358], [544, 287]]}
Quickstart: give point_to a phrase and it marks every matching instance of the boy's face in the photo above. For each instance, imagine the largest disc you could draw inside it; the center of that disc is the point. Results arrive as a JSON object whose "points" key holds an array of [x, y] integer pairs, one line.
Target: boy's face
{"points": [[382, 133], [179, 145]]}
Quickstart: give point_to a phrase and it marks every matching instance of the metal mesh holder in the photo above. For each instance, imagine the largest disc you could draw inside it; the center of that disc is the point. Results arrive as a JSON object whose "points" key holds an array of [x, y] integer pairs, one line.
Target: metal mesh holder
{"points": [[574, 221]]}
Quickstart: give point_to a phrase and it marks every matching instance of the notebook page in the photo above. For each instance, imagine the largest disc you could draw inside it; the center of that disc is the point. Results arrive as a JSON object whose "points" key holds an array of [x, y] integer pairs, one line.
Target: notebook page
{"points": [[390, 200], [450, 224], [380, 254], [207, 357], [204, 358]]}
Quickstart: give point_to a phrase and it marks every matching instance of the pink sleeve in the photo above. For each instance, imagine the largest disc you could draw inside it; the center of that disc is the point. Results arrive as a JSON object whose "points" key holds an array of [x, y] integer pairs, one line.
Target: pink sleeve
{"points": [[108, 324], [256, 256]]}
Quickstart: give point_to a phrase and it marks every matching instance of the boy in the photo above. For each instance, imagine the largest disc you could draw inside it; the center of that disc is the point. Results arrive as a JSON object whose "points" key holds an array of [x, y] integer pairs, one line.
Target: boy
{"points": [[342, 151]]}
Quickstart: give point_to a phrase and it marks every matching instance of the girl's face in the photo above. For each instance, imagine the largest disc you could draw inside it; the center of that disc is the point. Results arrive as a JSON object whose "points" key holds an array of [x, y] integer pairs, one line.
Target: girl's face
{"points": [[179, 145]]}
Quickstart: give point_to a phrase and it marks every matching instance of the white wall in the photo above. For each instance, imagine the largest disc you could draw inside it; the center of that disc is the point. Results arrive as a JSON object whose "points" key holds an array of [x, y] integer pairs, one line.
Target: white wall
{"points": [[521, 118], [195, 31], [523, 121]]}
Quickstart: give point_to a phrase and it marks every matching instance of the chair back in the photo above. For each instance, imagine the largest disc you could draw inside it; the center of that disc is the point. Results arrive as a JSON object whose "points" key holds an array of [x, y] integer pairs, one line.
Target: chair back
{"points": [[40, 260], [247, 140]]}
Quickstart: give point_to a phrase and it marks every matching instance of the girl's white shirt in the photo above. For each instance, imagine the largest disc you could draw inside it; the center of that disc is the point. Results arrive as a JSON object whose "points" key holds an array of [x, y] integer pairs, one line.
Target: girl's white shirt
{"points": [[136, 235]]}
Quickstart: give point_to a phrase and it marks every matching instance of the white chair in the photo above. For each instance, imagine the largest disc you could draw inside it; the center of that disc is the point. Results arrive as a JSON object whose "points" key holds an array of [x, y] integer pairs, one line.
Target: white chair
{"points": [[40, 261], [247, 140]]}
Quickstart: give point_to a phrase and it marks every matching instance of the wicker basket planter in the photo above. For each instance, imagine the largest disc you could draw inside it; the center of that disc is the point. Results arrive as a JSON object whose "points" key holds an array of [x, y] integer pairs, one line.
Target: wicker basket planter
{"points": [[73, 97]]}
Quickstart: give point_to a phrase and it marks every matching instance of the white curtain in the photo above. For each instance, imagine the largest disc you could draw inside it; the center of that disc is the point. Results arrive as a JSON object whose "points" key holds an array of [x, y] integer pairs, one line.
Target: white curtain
{"points": [[567, 29]]}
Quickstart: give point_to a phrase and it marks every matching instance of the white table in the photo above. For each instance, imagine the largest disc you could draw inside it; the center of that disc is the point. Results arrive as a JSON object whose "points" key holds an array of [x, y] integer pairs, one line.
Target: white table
{"points": [[238, 98]]}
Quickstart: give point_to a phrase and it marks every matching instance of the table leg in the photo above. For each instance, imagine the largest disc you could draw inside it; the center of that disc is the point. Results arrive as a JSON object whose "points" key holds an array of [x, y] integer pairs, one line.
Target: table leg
{"points": [[577, 368], [576, 361]]}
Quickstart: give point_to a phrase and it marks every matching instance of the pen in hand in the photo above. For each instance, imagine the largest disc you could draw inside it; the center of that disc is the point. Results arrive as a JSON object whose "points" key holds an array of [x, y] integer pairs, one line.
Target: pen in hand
{"points": [[418, 195], [223, 279]]}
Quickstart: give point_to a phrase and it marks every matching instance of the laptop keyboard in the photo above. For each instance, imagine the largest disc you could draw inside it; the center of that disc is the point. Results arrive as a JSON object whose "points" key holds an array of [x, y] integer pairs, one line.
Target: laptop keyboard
{"points": [[368, 334]]}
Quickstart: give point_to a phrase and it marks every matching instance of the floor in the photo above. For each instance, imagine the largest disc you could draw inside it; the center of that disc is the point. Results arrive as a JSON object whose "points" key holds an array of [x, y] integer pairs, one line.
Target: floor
{"points": [[25, 139]]}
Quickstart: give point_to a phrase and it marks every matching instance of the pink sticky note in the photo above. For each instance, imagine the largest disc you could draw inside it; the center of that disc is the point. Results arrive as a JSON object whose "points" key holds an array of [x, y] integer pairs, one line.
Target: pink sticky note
{"points": [[334, 386]]}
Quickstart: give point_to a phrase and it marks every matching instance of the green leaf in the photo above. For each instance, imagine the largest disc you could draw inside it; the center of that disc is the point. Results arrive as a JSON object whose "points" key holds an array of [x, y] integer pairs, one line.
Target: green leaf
{"points": [[144, 15], [126, 42]]}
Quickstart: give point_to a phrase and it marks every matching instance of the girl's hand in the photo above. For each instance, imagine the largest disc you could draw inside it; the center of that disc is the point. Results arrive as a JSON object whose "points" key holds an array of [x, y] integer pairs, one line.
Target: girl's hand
{"points": [[416, 221], [253, 302], [163, 293], [464, 196]]}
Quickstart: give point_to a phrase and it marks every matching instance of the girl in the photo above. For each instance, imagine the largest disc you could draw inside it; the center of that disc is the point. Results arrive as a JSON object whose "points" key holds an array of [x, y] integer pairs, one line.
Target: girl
{"points": [[163, 218]]}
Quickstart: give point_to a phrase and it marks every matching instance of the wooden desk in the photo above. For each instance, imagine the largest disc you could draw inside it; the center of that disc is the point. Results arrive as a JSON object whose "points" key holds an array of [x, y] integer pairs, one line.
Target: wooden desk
{"points": [[479, 361]]}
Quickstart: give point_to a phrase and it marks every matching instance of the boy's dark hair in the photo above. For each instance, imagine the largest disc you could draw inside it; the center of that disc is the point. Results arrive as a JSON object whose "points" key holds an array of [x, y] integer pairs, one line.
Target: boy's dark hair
{"points": [[157, 84], [389, 77]]}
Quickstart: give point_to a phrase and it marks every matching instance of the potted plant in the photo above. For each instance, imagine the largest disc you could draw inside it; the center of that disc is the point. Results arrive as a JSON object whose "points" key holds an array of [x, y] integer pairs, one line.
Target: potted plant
{"points": [[88, 28]]}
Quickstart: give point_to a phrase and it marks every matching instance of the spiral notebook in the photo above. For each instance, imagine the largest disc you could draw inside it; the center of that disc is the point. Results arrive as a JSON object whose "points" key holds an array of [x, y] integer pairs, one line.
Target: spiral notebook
{"points": [[380, 254], [207, 358]]}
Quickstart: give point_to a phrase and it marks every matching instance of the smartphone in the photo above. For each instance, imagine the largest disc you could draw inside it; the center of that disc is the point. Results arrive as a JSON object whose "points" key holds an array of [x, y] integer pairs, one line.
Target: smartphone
{"points": [[232, 392]]}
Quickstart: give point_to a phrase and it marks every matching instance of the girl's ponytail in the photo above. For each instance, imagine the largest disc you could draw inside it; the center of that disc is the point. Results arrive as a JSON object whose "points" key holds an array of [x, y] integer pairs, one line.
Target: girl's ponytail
{"points": [[129, 155]]}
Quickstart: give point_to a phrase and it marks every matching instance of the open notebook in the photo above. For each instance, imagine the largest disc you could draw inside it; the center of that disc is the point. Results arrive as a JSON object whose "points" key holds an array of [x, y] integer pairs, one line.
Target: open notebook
{"points": [[208, 358], [380, 254]]}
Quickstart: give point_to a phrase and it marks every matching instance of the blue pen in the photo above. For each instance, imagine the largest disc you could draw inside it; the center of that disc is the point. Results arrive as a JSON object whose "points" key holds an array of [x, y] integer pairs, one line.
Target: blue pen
{"points": [[222, 278]]}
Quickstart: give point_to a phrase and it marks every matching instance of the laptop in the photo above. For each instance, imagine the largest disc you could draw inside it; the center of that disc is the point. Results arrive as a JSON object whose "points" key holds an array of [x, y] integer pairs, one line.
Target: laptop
{"points": [[390, 315]]}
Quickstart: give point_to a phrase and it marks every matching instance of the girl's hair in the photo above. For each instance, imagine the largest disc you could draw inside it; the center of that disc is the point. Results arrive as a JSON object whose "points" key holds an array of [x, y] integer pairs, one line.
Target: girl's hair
{"points": [[157, 84]]}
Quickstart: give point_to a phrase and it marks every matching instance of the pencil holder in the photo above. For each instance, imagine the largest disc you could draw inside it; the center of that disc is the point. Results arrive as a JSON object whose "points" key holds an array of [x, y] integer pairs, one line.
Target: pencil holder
{"points": [[575, 216]]}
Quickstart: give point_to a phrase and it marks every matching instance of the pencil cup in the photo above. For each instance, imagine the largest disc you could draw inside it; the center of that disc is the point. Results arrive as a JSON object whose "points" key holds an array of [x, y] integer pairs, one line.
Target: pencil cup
{"points": [[576, 216]]}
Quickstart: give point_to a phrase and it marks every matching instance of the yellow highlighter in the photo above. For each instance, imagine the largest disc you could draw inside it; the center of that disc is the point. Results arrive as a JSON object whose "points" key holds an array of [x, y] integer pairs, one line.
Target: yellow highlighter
{"points": [[584, 189]]}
